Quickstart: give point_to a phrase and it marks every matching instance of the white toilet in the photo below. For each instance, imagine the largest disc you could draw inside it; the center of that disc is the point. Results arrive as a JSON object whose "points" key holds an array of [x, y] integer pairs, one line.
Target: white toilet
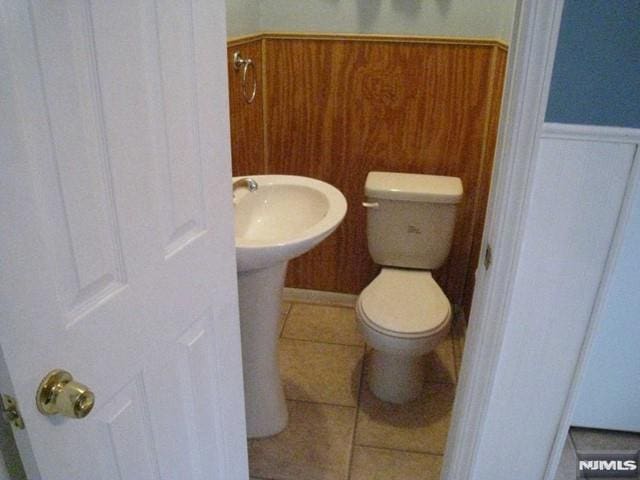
{"points": [[403, 313]]}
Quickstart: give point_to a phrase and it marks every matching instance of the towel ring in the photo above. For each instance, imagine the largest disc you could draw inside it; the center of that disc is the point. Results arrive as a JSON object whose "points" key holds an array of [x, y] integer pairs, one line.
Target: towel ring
{"points": [[245, 64]]}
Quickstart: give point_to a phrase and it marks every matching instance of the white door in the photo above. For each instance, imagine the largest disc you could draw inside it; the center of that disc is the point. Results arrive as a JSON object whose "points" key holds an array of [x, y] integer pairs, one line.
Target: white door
{"points": [[116, 241]]}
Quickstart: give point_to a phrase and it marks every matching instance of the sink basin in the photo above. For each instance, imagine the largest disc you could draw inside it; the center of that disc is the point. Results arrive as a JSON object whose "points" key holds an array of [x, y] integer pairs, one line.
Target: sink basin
{"points": [[285, 217]]}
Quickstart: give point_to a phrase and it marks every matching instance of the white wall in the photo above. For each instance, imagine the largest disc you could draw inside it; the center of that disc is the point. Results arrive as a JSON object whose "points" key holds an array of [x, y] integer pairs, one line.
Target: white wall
{"points": [[609, 395], [446, 18], [575, 200], [242, 17], [451, 18]]}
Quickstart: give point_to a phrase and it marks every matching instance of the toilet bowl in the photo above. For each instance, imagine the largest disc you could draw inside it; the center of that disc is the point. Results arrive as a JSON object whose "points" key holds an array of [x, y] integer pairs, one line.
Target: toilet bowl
{"points": [[403, 315]]}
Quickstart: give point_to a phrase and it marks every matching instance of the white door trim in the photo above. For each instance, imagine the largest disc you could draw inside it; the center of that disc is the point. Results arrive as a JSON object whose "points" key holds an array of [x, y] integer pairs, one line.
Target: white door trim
{"points": [[530, 65]]}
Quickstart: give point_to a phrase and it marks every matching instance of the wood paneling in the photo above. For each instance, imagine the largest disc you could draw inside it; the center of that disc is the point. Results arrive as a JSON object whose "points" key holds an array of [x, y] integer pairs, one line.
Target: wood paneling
{"points": [[337, 108], [484, 181], [247, 126]]}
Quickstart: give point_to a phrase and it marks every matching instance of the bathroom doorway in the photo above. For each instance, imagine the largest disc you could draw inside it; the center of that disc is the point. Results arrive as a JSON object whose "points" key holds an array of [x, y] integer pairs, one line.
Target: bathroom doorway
{"points": [[506, 346], [343, 89], [495, 395]]}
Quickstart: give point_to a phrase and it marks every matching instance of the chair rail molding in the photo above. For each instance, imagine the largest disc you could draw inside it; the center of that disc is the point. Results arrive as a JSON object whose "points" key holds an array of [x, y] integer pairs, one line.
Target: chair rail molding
{"points": [[591, 133]]}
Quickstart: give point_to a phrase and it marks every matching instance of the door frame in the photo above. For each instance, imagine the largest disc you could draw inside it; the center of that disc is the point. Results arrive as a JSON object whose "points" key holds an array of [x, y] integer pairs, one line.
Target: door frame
{"points": [[530, 65], [531, 60]]}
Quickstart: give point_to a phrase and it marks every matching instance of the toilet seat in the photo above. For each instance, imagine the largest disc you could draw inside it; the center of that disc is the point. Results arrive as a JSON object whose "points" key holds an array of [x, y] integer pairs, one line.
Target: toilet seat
{"points": [[404, 303]]}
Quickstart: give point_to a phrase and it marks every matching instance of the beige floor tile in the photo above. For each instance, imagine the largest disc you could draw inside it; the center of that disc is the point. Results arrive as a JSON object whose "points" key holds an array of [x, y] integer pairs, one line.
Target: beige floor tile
{"points": [[320, 372], [420, 426], [592, 439], [381, 464], [458, 334], [286, 308], [322, 323], [439, 364], [314, 446]]}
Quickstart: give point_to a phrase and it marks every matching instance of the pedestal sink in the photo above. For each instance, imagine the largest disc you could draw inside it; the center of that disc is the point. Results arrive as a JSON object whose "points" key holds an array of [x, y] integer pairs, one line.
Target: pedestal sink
{"points": [[284, 218]]}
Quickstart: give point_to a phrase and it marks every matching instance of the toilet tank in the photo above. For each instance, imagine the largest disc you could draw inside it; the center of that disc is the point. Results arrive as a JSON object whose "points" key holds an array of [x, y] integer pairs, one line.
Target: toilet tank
{"points": [[410, 218]]}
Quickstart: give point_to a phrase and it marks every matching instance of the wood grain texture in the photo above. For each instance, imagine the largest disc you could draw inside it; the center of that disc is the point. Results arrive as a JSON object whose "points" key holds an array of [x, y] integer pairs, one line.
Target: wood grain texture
{"points": [[338, 108], [247, 122], [484, 181]]}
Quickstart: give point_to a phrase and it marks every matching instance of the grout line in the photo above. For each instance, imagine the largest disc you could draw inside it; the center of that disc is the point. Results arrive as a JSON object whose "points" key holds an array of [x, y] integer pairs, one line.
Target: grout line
{"points": [[433, 454], [456, 367], [321, 342], [319, 403], [324, 304], [288, 310], [284, 337], [458, 344], [360, 385], [355, 421], [452, 356], [436, 382], [320, 297], [284, 321], [321, 304]]}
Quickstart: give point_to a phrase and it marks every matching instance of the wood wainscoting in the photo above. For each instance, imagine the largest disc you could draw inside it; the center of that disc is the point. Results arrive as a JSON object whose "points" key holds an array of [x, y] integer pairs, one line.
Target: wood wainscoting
{"points": [[337, 107], [247, 120]]}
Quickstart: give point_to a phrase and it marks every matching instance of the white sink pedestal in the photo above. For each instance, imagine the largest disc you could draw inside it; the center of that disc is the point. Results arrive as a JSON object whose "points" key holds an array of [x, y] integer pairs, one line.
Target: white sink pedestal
{"points": [[283, 218], [260, 294]]}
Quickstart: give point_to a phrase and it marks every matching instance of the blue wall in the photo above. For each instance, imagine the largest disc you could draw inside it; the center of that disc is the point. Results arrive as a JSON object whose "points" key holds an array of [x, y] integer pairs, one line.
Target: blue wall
{"points": [[596, 76]]}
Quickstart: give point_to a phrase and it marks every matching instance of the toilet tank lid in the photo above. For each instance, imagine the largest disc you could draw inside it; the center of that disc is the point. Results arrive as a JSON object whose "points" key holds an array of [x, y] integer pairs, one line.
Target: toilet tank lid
{"points": [[413, 187]]}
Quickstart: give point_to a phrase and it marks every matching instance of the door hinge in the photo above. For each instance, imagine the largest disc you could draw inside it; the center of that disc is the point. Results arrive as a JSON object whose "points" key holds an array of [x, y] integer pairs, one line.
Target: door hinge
{"points": [[10, 411], [488, 257]]}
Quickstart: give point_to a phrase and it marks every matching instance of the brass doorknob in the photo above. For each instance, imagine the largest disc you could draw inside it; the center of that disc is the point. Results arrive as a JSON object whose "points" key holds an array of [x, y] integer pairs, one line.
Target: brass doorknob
{"points": [[59, 394]]}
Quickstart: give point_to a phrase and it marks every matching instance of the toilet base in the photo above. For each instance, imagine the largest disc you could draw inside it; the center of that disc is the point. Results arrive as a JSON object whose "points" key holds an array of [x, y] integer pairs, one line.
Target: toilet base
{"points": [[395, 378]]}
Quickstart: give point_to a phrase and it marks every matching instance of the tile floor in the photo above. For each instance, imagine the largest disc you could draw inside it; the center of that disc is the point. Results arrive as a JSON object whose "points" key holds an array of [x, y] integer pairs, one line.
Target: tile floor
{"points": [[587, 439], [337, 429]]}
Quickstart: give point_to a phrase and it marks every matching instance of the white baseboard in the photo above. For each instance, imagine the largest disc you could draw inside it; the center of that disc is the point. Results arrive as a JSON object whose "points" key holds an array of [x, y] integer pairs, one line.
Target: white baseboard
{"points": [[319, 297]]}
